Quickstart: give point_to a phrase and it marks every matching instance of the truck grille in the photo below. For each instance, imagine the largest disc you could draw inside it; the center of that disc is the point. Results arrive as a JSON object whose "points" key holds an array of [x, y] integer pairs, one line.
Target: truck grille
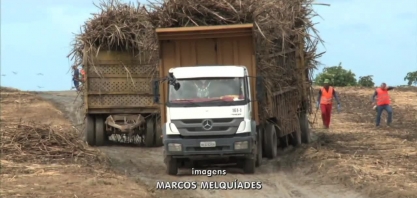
{"points": [[219, 126]]}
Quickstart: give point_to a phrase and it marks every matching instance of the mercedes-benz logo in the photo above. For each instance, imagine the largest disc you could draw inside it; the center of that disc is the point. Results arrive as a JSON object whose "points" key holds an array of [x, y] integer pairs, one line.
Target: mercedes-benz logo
{"points": [[207, 125]]}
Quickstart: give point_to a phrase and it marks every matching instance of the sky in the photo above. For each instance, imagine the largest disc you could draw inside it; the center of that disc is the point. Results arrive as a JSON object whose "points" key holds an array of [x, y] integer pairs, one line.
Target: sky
{"points": [[369, 37]]}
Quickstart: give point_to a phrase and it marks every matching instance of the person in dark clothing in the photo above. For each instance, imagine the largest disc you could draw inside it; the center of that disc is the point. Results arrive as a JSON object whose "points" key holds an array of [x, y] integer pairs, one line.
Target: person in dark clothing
{"points": [[76, 77], [325, 102], [382, 101]]}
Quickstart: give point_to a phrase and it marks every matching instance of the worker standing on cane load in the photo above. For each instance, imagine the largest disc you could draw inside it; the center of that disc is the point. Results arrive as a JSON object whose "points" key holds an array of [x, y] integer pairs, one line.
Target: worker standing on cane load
{"points": [[325, 102], [382, 103]]}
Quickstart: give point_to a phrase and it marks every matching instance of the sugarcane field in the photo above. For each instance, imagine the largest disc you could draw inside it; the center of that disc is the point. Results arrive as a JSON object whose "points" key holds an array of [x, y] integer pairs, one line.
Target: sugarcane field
{"points": [[312, 99]]}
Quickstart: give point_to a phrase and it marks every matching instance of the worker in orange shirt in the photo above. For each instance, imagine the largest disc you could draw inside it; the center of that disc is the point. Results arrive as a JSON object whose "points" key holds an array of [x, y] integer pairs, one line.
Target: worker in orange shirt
{"points": [[83, 77], [382, 103], [325, 102]]}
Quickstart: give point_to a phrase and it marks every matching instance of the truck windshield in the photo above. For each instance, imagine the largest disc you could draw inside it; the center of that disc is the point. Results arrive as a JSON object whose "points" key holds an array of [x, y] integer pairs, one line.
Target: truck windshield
{"points": [[209, 91]]}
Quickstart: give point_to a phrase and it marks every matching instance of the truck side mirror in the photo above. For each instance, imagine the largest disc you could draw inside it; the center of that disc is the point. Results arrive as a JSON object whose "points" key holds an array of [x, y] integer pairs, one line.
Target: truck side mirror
{"points": [[177, 86], [156, 91], [260, 89]]}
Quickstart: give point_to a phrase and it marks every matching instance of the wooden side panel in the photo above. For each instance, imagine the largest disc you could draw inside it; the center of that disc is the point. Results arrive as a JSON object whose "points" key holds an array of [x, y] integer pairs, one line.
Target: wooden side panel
{"points": [[117, 81], [206, 52]]}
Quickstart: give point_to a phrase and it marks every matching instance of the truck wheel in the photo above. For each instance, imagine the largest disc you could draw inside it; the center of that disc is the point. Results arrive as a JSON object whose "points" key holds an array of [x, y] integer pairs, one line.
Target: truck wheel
{"points": [[271, 144], [158, 133], [249, 166], [90, 135], [172, 166], [283, 141], [150, 134], [296, 138], [259, 153], [101, 136], [305, 129]]}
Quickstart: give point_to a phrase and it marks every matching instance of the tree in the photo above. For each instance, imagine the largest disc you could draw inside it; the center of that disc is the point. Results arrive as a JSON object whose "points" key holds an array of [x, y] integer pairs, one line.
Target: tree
{"points": [[366, 81], [337, 75], [411, 77]]}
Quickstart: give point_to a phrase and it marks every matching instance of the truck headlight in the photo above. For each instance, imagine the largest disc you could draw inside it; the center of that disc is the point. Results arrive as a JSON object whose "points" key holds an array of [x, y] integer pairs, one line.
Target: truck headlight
{"points": [[241, 145], [174, 147]]}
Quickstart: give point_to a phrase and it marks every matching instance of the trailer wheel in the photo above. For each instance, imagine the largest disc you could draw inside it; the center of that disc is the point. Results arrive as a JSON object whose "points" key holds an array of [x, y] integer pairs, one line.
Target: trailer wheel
{"points": [[90, 135], [305, 128], [100, 133], [158, 133], [283, 141], [271, 144], [150, 133], [259, 147], [296, 138], [172, 166], [249, 166]]}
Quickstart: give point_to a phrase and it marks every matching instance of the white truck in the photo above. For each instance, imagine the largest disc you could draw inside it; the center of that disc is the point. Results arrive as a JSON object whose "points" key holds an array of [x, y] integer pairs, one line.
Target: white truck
{"points": [[209, 108]]}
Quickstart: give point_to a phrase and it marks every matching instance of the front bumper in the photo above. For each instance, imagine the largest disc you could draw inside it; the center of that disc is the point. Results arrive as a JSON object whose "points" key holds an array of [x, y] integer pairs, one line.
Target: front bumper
{"points": [[225, 147]]}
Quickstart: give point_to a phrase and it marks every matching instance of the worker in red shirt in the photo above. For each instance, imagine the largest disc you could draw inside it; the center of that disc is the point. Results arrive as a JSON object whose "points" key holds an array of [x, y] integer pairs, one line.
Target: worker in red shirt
{"points": [[325, 102], [382, 103]]}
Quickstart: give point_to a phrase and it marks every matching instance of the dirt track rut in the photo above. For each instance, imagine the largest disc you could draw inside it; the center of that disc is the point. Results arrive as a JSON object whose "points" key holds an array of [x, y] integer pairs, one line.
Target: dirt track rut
{"points": [[145, 165]]}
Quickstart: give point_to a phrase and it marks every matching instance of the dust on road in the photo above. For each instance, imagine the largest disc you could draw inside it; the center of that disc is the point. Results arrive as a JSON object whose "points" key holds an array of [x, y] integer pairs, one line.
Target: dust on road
{"points": [[146, 165]]}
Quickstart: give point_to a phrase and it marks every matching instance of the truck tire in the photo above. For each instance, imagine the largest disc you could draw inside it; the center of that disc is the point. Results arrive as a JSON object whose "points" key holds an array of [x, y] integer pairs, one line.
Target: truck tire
{"points": [[249, 166], [90, 133], [172, 166], [150, 133], [283, 141], [271, 144], [296, 138], [305, 129], [158, 133], [100, 133], [259, 147]]}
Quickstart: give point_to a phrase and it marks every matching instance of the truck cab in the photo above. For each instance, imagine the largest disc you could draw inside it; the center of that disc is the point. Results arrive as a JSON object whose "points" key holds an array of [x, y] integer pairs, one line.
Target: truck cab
{"points": [[209, 117]]}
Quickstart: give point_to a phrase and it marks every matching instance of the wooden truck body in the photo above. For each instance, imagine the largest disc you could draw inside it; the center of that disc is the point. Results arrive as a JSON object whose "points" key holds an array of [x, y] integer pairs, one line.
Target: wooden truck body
{"points": [[118, 98]]}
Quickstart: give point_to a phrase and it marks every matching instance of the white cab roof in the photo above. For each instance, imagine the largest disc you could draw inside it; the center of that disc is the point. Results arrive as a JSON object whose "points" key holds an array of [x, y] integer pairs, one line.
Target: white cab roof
{"points": [[208, 71]]}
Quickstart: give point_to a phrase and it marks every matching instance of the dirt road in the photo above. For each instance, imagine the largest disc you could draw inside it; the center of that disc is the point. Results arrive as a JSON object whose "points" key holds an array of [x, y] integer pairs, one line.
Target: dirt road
{"points": [[279, 180]]}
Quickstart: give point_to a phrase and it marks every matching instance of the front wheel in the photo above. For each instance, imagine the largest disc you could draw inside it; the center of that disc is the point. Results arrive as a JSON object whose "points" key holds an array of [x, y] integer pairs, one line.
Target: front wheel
{"points": [[172, 166], [249, 166]]}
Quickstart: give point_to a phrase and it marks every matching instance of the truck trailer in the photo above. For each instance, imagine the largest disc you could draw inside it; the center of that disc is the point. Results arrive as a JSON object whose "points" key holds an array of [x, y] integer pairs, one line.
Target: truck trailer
{"points": [[211, 98], [118, 98]]}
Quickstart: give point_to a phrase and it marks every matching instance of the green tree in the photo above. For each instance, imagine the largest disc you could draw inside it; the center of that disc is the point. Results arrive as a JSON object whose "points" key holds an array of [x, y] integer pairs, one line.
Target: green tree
{"points": [[366, 81], [337, 75], [411, 78]]}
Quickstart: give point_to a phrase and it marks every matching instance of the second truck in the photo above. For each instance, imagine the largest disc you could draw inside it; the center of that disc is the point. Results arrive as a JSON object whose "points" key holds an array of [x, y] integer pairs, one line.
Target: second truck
{"points": [[212, 96]]}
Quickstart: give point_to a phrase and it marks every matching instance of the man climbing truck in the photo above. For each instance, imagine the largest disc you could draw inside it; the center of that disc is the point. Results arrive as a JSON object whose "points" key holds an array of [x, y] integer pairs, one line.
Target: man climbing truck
{"points": [[210, 108]]}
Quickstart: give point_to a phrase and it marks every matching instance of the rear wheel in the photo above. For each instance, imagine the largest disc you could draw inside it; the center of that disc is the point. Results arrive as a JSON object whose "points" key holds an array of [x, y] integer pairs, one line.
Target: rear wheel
{"points": [[305, 128], [259, 147], [283, 141], [101, 136], [296, 138], [150, 133], [271, 143], [90, 135], [158, 133]]}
